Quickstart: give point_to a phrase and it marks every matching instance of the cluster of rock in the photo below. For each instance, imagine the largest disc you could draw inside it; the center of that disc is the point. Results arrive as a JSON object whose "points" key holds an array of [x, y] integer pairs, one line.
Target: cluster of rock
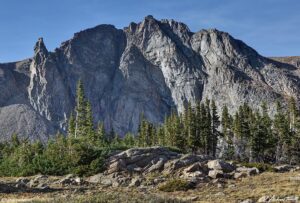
{"points": [[268, 199], [131, 167], [148, 167], [44, 183]]}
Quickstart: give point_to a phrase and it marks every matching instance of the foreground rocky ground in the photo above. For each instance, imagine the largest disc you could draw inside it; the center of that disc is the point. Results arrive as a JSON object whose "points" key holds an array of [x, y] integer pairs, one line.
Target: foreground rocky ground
{"points": [[160, 175]]}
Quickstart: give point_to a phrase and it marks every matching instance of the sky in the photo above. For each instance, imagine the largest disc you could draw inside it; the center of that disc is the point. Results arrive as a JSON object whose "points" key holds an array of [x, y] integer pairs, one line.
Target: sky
{"points": [[272, 27]]}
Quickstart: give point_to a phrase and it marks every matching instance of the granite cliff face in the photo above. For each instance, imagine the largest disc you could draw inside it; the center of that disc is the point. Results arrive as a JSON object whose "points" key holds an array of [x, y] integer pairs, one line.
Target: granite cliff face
{"points": [[151, 67]]}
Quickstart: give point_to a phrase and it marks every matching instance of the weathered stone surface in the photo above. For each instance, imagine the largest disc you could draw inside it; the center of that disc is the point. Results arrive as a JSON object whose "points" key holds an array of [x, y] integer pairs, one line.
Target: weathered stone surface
{"points": [[216, 174], [184, 161], [283, 168], [195, 170], [151, 67], [220, 165], [140, 160], [70, 179], [135, 182], [264, 199], [248, 171]]}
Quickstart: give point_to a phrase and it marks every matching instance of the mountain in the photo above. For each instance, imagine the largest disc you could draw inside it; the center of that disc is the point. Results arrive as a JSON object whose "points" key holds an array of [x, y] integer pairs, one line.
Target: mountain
{"points": [[152, 67]]}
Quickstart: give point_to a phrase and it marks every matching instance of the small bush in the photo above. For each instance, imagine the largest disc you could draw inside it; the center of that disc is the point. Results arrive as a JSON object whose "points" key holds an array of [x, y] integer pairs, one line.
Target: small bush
{"points": [[175, 185]]}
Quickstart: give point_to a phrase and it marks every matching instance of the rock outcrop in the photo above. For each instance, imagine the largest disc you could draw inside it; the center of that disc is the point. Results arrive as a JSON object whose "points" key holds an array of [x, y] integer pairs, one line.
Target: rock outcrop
{"points": [[131, 168], [152, 67]]}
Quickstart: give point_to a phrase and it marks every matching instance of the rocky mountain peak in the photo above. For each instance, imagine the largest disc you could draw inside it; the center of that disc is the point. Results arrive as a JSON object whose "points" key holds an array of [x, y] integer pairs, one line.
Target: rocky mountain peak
{"points": [[151, 67], [40, 51], [40, 47]]}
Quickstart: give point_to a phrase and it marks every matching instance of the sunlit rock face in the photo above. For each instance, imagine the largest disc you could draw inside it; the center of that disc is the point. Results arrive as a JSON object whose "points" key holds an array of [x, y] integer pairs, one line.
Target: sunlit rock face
{"points": [[150, 68]]}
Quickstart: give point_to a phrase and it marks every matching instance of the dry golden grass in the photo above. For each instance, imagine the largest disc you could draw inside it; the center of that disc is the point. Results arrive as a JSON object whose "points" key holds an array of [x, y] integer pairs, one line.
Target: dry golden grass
{"points": [[268, 183], [278, 184]]}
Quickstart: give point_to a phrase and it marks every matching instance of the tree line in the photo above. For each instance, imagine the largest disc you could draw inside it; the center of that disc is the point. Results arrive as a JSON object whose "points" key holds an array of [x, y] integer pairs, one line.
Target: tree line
{"points": [[248, 135]]}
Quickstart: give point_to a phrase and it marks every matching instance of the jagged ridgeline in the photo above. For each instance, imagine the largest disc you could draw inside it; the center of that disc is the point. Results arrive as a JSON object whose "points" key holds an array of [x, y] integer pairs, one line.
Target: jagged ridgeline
{"points": [[152, 67]]}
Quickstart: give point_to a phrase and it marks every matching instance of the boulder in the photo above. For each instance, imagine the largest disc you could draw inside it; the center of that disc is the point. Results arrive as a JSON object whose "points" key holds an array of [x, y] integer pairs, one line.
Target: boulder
{"points": [[139, 160], [239, 175], [158, 166], [283, 168], [43, 187], [117, 166], [21, 185], [70, 179], [216, 174], [38, 179], [195, 170], [95, 178], [22, 180], [107, 181], [135, 182], [264, 199], [221, 165], [248, 171], [184, 161]]}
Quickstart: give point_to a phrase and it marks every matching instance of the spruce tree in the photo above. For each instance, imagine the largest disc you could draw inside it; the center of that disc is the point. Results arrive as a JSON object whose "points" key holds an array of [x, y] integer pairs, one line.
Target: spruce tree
{"points": [[71, 126], [191, 129], [179, 138], [269, 152], [227, 132], [161, 136], [80, 110], [101, 134], [215, 123], [281, 129], [89, 123]]}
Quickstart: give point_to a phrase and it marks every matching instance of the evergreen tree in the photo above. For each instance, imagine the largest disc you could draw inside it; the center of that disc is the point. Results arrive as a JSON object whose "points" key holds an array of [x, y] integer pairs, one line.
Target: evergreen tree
{"points": [[227, 132], [281, 129], [101, 134], [71, 126], [161, 136], [179, 138], [89, 123], [191, 129], [129, 140], [80, 110], [269, 152], [215, 121]]}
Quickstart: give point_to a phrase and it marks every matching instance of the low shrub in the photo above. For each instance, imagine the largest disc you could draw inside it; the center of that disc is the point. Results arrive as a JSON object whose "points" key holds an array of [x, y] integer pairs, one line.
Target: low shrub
{"points": [[175, 185]]}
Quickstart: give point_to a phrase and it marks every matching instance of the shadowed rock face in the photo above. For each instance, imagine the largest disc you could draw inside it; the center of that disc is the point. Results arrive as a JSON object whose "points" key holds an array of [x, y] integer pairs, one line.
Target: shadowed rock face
{"points": [[151, 67]]}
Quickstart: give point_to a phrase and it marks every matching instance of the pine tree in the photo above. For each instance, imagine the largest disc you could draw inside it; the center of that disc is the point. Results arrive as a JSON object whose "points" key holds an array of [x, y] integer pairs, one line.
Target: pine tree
{"points": [[191, 129], [101, 134], [293, 140], [179, 138], [80, 110], [227, 132], [281, 128], [215, 121], [129, 140], [145, 132], [161, 136], [258, 141], [89, 123], [293, 113], [269, 152], [71, 126]]}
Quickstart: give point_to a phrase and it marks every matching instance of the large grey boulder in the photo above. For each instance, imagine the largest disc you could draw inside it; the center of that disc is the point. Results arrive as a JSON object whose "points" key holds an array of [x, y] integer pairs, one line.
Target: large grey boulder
{"points": [[140, 160], [220, 165]]}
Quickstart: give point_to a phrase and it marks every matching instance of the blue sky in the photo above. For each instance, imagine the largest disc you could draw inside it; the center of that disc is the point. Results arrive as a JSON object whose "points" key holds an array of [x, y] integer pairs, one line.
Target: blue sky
{"points": [[272, 27]]}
